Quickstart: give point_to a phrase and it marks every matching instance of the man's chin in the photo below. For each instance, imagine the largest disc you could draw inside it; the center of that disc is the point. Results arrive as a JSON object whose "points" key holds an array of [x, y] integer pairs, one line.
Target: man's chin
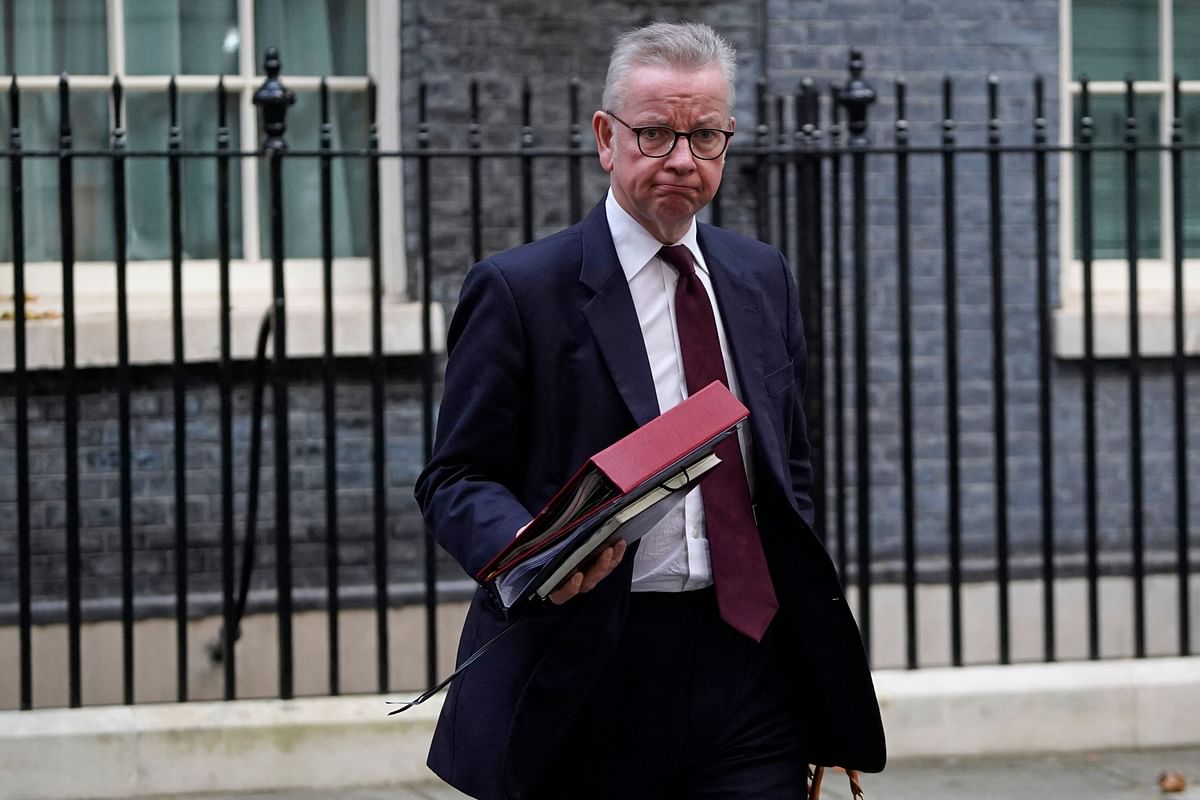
{"points": [[675, 210]]}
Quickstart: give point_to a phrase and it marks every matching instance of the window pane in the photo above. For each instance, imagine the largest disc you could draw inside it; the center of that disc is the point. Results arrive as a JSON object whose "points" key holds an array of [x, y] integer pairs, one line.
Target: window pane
{"points": [[44, 38], [302, 179], [149, 205], [1191, 177], [314, 37], [168, 37], [91, 184], [5, 188], [1187, 35], [1112, 38], [1108, 184]]}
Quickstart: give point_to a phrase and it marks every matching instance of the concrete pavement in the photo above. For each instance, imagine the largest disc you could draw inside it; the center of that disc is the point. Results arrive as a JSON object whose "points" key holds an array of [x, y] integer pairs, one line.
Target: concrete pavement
{"points": [[1118, 775], [330, 744]]}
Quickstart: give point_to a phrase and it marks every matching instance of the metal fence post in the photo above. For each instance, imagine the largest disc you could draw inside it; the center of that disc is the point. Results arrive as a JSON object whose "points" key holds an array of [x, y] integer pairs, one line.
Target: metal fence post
{"points": [[856, 97], [16, 186], [950, 336], [274, 98], [124, 406], [904, 325], [66, 216], [178, 389], [229, 614], [425, 240], [1178, 373]]}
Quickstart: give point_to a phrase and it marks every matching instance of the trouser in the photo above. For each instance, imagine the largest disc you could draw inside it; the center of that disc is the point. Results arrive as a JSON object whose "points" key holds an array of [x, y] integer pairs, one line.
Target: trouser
{"points": [[688, 709]]}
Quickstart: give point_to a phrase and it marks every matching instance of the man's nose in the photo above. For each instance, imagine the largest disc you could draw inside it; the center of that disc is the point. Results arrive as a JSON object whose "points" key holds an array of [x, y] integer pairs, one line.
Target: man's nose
{"points": [[680, 158]]}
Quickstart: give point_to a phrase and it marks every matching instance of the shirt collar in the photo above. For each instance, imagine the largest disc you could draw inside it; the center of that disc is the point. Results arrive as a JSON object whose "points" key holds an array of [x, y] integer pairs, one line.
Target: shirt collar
{"points": [[635, 246]]}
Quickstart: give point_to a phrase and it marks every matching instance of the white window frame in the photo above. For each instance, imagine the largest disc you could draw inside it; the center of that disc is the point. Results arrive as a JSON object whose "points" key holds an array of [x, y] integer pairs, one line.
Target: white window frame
{"points": [[149, 281], [1110, 277]]}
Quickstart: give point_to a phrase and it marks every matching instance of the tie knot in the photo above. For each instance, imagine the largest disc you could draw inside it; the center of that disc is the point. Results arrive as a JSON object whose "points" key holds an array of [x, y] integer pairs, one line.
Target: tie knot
{"points": [[679, 257]]}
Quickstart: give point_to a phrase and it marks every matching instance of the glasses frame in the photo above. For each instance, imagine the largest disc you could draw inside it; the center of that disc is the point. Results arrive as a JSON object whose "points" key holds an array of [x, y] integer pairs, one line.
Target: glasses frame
{"points": [[637, 135]]}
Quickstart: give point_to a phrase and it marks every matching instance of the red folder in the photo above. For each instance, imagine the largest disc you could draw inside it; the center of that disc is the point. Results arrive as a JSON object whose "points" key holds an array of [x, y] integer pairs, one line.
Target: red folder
{"points": [[669, 437], [620, 492]]}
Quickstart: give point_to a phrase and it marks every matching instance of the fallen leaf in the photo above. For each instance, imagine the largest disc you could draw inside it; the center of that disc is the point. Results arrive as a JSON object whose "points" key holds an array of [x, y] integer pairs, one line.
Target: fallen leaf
{"points": [[1172, 782], [30, 316]]}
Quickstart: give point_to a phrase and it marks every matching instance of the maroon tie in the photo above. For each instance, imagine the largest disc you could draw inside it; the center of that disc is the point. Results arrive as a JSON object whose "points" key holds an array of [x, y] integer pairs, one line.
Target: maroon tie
{"points": [[744, 591]]}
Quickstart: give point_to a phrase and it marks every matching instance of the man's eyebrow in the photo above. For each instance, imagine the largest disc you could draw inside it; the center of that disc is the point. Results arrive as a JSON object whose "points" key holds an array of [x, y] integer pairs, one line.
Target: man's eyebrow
{"points": [[706, 121], [651, 122]]}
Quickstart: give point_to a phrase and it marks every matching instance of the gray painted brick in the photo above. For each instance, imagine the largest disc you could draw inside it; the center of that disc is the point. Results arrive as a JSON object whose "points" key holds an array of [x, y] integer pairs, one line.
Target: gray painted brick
{"points": [[447, 44]]}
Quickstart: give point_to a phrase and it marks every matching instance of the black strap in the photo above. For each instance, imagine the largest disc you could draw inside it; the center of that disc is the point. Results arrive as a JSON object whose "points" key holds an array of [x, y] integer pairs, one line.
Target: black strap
{"points": [[421, 698]]}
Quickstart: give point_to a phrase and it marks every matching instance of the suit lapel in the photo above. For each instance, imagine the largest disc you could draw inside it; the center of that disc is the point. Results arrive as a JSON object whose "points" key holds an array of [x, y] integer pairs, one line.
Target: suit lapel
{"points": [[611, 316], [613, 321], [742, 311]]}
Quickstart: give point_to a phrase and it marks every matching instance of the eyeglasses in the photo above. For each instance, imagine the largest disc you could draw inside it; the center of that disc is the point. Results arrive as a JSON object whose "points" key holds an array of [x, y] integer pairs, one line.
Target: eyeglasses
{"points": [[657, 141]]}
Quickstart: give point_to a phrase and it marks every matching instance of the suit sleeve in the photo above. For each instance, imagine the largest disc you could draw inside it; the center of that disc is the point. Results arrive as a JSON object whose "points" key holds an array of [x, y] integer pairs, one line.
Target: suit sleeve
{"points": [[466, 493], [799, 451]]}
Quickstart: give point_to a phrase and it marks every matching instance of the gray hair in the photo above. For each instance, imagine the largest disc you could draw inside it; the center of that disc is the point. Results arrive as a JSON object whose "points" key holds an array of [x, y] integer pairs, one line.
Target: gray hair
{"points": [[681, 45]]}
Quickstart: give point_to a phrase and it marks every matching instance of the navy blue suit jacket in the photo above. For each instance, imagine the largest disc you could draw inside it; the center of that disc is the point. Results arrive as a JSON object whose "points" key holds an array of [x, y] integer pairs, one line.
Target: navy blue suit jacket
{"points": [[546, 367]]}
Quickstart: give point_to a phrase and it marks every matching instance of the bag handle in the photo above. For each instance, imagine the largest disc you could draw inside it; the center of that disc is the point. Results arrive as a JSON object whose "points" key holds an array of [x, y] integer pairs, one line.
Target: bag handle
{"points": [[817, 774]]}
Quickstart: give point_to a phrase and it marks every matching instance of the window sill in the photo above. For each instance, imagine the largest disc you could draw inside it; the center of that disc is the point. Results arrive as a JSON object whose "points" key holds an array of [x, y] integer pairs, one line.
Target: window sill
{"points": [[1110, 315], [150, 328], [1110, 310]]}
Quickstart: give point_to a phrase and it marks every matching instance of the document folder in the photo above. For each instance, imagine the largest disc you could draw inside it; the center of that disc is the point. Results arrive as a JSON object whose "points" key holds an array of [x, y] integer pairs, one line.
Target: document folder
{"points": [[619, 493]]}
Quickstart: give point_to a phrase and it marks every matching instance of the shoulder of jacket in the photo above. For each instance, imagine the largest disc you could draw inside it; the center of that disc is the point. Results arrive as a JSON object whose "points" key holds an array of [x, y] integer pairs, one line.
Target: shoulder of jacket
{"points": [[728, 238], [559, 250]]}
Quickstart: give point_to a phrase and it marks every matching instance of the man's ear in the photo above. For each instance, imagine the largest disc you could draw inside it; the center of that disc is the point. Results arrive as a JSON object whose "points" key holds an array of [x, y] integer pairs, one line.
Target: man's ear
{"points": [[602, 129], [732, 123]]}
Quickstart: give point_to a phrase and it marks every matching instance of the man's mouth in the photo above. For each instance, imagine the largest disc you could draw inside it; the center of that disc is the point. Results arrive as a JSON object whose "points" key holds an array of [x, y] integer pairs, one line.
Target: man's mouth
{"points": [[676, 188]]}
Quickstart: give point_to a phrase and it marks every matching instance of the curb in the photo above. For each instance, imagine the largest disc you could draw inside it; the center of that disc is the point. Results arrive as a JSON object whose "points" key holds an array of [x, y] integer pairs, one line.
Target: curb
{"points": [[247, 745], [256, 745], [1042, 708]]}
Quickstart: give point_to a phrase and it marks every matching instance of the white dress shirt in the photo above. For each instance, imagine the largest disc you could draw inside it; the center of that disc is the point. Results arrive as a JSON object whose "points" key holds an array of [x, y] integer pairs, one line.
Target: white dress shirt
{"points": [[673, 556]]}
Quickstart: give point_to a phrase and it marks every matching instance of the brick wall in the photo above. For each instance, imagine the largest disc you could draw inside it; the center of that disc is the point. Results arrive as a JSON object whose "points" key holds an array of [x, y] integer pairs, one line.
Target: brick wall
{"points": [[783, 42], [152, 461], [448, 44]]}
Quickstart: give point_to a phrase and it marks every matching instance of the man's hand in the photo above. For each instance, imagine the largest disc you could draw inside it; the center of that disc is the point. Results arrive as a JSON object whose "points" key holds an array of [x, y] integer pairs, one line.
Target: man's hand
{"points": [[585, 580]]}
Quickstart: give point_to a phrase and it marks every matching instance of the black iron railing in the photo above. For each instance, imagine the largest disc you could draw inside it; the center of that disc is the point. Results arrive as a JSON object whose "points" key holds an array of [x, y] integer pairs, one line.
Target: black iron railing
{"points": [[930, 331]]}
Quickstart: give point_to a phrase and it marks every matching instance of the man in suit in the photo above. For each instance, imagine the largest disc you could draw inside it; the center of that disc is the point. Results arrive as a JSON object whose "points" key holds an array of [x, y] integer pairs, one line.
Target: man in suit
{"points": [[716, 657]]}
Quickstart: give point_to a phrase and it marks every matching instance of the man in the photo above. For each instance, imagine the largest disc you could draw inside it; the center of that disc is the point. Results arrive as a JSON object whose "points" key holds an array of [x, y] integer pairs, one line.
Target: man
{"points": [[715, 658]]}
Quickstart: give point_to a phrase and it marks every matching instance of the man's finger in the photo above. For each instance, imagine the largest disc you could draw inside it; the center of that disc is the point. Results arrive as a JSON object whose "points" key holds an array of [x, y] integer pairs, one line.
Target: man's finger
{"points": [[585, 581], [569, 589], [598, 570]]}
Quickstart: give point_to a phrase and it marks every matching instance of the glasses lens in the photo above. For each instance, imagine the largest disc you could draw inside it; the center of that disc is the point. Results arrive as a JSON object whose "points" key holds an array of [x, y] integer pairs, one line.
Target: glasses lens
{"points": [[708, 142], [656, 141]]}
